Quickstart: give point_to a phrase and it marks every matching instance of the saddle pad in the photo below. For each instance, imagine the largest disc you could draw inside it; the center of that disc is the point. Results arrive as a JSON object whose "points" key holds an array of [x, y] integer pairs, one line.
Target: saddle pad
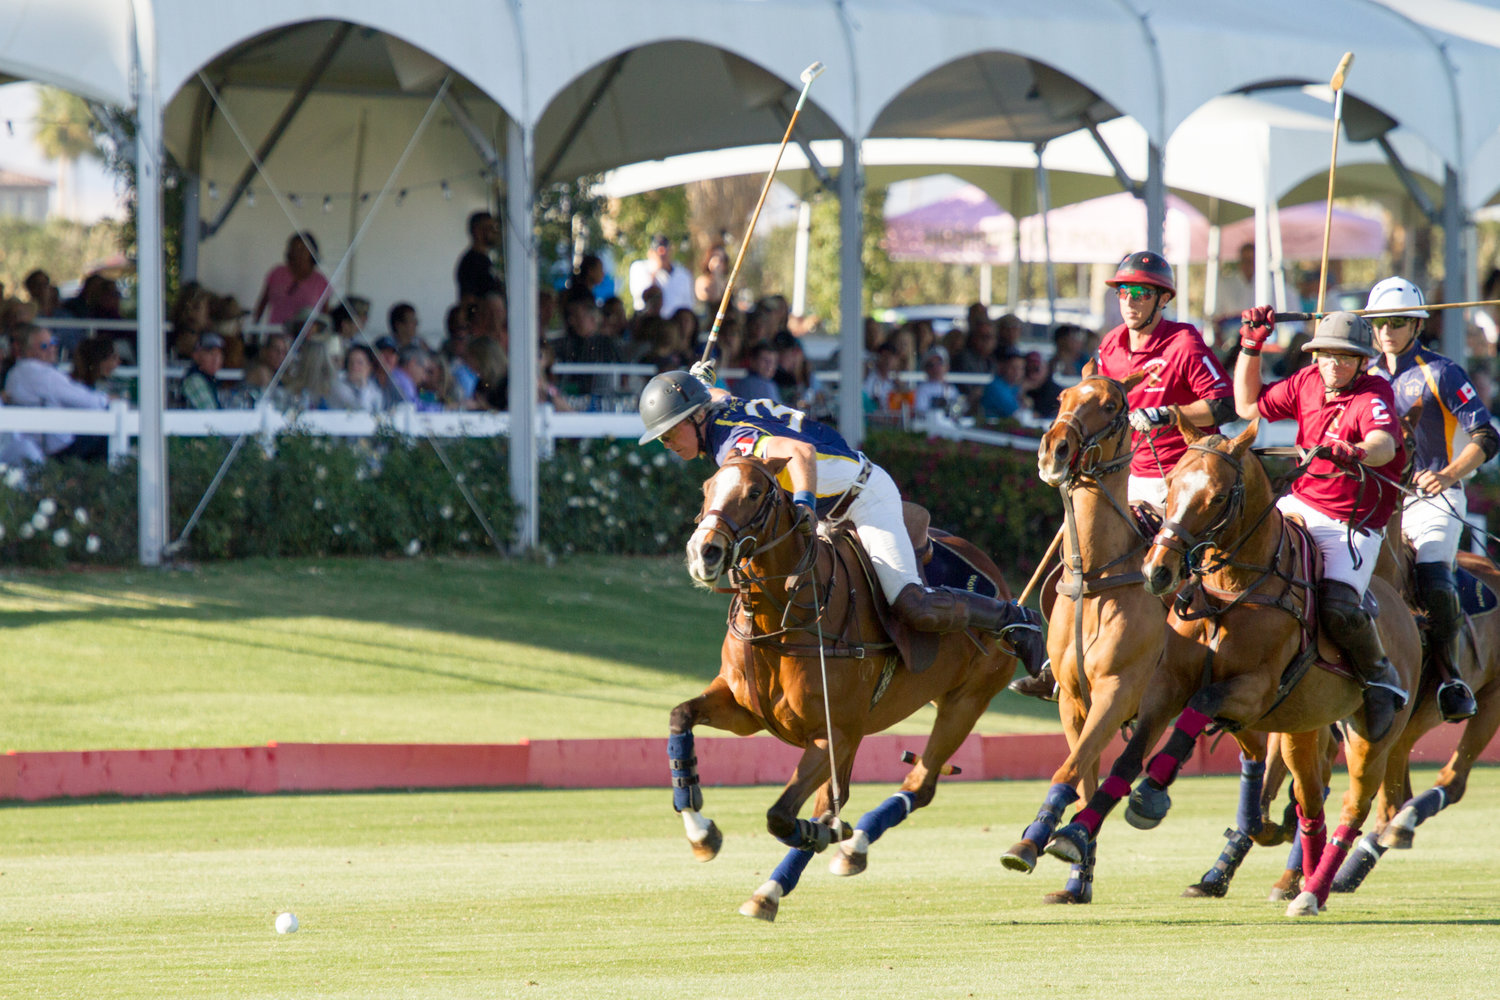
{"points": [[1329, 657], [1473, 594], [949, 568]]}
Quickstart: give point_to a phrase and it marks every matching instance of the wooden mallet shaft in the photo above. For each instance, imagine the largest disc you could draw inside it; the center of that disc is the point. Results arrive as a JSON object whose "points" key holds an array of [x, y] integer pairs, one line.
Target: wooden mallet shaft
{"points": [[907, 757]]}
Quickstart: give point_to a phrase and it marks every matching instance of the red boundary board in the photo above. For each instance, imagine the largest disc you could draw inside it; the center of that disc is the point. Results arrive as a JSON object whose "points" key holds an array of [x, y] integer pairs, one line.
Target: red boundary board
{"points": [[618, 763]]}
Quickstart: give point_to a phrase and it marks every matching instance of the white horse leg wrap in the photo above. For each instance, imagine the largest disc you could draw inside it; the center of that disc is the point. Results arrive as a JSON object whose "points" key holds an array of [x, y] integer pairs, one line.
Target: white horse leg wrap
{"points": [[770, 890], [696, 826], [858, 844]]}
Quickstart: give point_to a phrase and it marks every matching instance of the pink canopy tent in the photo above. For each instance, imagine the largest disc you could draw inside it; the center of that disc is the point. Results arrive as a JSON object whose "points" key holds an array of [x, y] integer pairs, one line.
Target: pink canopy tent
{"points": [[1352, 235], [951, 231]]}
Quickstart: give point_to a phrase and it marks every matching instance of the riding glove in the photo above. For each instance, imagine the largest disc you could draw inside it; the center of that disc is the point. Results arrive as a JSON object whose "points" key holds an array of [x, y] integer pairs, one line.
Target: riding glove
{"points": [[1148, 418], [1256, 326], [704, 372], [1342, 453]]}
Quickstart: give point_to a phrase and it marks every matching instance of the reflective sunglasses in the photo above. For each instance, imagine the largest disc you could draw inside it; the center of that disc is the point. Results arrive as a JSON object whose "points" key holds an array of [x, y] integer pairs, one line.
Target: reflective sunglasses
{"points": [[1395, 322], [1135, 292]]}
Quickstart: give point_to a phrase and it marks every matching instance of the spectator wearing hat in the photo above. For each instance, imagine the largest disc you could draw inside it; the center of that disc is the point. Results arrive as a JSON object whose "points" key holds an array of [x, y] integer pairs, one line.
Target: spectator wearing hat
{"points": [[760, 369], [200, 386], [294, 285], [935, 392], [657, 269], [35, 380]]}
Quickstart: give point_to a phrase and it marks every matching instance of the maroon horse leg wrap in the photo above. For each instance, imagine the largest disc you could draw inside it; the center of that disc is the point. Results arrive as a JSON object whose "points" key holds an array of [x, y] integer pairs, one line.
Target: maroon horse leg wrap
{"points": [[1314, 839], [1111, 792], [1321, 881], [1165, 765]]}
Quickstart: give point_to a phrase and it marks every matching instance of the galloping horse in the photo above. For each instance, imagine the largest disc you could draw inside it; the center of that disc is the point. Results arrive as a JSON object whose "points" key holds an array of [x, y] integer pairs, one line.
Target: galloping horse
{"points": [[1245, 608], [1106, 634], [1479, 660], [806, 610]]}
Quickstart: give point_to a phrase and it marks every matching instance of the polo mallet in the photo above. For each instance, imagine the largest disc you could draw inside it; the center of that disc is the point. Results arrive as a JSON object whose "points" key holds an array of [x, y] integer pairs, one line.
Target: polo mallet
{"points": [[1337, 83], [1288, 317], [808, 76], [1042, 567], [907, 757]]}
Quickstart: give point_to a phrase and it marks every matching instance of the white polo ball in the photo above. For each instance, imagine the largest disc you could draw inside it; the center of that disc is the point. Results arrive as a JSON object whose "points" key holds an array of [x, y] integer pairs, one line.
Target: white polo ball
{"points": [[286, 923]]}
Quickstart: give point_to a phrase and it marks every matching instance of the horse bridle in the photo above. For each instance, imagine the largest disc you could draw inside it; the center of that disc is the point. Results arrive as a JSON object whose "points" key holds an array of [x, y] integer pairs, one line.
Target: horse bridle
{"points": [[1173, 537], [738, 543], [1092, 444]]}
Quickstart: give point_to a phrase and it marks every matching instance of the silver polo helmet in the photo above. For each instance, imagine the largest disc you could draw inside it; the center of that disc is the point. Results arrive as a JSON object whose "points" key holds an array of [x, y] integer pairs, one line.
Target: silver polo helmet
{"points": [[668, 400]]}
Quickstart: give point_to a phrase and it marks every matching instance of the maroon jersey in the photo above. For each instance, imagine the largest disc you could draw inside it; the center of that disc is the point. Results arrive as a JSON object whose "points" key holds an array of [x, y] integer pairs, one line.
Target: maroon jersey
{"points": [[1180, 369], [1367, 405]]}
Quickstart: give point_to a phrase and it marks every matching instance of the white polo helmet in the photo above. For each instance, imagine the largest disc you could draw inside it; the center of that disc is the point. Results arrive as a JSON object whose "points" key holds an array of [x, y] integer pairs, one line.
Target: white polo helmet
{"points": [[1399, 296]]}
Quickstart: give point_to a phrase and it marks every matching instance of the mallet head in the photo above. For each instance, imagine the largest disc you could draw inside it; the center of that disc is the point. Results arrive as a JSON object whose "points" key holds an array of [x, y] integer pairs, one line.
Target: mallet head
{"points": [[813, 72]]}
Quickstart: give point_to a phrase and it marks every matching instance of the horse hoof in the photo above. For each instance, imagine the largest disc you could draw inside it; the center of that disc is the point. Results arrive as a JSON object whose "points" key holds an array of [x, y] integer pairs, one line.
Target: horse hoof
{"points": [[1400, 832], [761, 908], [1065, 896], [1305, 905], [1147, 807], [1286, 887], [708, 848], [1020, 858], [847, 862], [1069, 844], [1270, 835], [1206, 890]]}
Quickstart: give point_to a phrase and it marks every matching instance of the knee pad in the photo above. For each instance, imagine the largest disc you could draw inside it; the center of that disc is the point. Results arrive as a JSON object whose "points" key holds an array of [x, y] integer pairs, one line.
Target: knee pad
{"points": [[1338, 610]]}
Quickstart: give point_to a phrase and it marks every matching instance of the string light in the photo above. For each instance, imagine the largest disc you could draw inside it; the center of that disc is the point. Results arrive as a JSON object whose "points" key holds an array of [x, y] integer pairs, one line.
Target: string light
{"points": [[401, 197], [213, 191], [327, 199], [250, 197], [447, 191], [327, 204], [295, 199]]}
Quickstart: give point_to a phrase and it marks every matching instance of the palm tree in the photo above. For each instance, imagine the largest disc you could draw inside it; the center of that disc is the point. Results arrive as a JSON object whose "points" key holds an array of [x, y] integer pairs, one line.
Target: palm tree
{"points": [[64, 133]]}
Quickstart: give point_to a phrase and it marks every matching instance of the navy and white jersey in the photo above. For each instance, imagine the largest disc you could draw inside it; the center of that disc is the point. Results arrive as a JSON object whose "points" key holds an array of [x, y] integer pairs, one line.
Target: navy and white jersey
{"points": [[1451, 408], [746, 425]]}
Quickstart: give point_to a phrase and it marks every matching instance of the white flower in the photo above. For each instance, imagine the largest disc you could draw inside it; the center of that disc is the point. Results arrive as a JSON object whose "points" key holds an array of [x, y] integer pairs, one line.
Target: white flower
{"points": [[61, 538], [445, 512], [80, 515], [338, 529], [91, 544], [567, 477], [659, 459], [27, 530], [39, 521], [575, 501], [317, 503], [413, 547], [634, 458], [238, 493], [463, 536], [47, 507], [320, 473], [14, 477], [587, 462]]}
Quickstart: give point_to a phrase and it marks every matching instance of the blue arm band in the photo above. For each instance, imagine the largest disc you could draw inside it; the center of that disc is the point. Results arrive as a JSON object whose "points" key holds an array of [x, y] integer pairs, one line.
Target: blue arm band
{"points": [[805, 498]]}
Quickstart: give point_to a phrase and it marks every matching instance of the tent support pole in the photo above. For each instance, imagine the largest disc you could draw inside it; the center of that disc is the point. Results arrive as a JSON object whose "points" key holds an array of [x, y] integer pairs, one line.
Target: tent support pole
{"points": [[851, 295], [585, 112], [1126, 181], [471, 130], [520, 278], [1156, 200], [1404, 175], [1455, 266], [150, 315]]}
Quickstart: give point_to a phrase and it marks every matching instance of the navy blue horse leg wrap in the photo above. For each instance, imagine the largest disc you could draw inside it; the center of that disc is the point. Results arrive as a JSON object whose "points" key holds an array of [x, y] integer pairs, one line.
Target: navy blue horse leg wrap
{"points": [[685, 791], [808, 836], [1252, 781], [789, 872], [886, 815], [1059, 797], [1081, 876], [1235, 849], [1429, 804]]}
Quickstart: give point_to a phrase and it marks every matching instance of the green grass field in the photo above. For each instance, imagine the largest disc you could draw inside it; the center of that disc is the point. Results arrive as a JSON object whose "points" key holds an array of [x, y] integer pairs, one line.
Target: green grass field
{"points": [[594, 894], [435, 651]]}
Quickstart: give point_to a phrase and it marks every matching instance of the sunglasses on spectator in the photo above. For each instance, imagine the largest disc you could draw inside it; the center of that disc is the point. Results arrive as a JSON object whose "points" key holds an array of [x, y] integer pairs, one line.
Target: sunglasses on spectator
{"points": [[46, 344], [1394, 322], [1135, 292]]}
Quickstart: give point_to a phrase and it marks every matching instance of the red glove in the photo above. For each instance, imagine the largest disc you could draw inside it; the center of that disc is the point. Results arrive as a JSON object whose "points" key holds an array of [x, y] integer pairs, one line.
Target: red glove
{"points": [[1344, 454], [1256, 325]]}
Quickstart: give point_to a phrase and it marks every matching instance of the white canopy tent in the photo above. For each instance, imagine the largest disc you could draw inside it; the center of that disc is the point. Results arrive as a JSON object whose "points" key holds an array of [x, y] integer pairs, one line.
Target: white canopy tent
{"points": [[564, 88]]}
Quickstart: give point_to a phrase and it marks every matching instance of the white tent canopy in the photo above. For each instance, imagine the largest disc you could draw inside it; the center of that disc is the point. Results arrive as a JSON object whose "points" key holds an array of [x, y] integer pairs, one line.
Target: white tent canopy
{"points": [[559, 89]]}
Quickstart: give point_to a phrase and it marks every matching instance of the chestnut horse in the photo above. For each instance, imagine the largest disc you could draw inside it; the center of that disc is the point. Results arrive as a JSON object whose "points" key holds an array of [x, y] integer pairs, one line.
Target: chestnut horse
{"points": [[1106, 634], [805, 611], [1223, 530]]}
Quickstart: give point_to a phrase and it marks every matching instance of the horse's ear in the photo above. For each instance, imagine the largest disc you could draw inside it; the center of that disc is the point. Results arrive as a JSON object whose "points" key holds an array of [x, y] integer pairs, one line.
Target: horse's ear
{"points": [[775, 465], [1191, 432], [1090, 367], [1244, 439], [1133, 379]]}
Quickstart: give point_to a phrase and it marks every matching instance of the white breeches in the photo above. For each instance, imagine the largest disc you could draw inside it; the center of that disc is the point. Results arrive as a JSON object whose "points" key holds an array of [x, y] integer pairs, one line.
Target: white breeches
{"points": [[1149, 490], [1431, 525], [876, 517], [1332, 538]]}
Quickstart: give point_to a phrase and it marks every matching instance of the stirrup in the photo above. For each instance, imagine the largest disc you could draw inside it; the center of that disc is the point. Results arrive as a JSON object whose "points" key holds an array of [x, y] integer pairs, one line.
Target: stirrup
{"points": [[1456, 701]]}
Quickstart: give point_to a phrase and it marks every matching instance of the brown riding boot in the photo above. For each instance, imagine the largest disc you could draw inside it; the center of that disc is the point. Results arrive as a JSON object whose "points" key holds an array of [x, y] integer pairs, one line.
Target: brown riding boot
{"points": [[1353, 631], [1043, 686], [941, 609]]}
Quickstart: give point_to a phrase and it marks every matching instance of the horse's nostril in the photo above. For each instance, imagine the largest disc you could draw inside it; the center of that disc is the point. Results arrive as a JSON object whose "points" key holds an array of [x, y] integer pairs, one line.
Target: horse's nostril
{"points": [[712, 554]]}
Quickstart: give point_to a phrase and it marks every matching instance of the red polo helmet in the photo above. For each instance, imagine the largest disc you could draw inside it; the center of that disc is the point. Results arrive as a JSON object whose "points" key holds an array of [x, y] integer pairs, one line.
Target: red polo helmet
{"points": [[1144, 268]]}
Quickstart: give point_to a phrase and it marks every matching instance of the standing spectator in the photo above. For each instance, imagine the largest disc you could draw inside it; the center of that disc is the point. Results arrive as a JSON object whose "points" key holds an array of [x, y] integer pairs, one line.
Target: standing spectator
{"points": [[657, 269], [712, 280], [586, 280], [760, 366], [880, 386], [294, 285], [357, 388], [1236, 294], [475, 273], [403, 322], [35, 380], [200, 386], [42, 293], [935, 392]]}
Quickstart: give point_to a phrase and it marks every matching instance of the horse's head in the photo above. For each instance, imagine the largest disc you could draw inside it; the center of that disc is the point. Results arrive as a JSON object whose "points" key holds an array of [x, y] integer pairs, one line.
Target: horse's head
{"points": [[741, 503], [1091, 432], [1205, 502]]}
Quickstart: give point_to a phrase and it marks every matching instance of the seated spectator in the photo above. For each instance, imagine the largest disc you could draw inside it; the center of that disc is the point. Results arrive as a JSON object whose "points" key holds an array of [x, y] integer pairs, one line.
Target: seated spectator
{"points": [[403, 323], [272, 354], [409, 377], [905, 339], [192, 315], [35, 380], [387, 359], [794, 376], [99, 298], [492, 369], [546, 314], [228, 318], [584, 281], [253, 387], [1067, 350], [1005, 395], [876, 334], [687, 330], [880, 387], [345, 325], [582, 343], [94, 362], [1008, 329], [612, 322], [760, 367], [200, 389], [293, 285], [357, 386], [712, 280], [663, 341], [313, 381], [1039, 387], [458, 329], [978, 354], [42, 294], [360, 307], [935, 392], [546, 386], [651, 308], [315, 323]]}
